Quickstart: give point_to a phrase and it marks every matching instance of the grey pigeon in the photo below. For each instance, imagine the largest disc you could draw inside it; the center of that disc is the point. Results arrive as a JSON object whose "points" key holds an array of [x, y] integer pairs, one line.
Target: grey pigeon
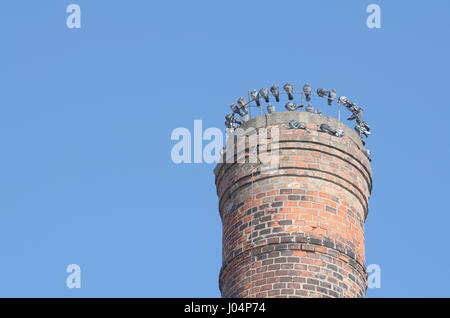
{"points": [[275, 92], [289, 90], [264, 92], [295, 124], [307, 91]]}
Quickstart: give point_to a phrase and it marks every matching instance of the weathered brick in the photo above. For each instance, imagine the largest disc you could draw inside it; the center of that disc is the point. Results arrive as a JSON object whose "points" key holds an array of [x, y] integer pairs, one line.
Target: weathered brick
{"points": [[296, 232]]}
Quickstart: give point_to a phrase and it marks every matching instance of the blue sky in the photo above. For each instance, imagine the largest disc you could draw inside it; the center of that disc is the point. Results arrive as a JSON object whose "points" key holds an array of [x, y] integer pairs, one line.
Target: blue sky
{"points": [[86, 117]]}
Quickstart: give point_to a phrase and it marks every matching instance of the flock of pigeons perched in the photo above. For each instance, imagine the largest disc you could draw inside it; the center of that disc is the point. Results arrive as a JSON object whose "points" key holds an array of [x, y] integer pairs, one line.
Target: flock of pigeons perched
{"points": [[241, 108]]}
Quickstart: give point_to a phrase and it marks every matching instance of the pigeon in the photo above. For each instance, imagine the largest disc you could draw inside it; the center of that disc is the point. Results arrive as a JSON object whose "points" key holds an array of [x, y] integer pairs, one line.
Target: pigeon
{"points": [[362, 130], [264, 92], [334, 132], [322, 92], [331, 97], [275, 92], [255, 97], [235, 109], [241, 102], [289, 90], [356, 115], [295, 124], [343, 100], [231, 121], [367, 153], [292, 106], [307, 91]]}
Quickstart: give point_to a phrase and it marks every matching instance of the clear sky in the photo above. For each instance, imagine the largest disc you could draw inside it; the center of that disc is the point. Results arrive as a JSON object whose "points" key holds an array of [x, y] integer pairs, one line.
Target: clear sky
{"points": [[86, 116]]}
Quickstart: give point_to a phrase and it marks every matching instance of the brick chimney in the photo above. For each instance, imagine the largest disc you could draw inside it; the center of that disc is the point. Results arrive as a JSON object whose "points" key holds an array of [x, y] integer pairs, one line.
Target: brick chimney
{"points": [[298, 230]]}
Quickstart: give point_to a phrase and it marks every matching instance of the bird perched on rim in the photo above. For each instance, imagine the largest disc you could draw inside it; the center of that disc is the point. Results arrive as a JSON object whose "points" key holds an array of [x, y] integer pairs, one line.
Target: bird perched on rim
{"points": [[241, 102], [307, 91], [289, 90], [342, 100], [322, 92], [309, 108], [295, 124], [331, 97], [231, 120], [255, 97], [228, 121], [270, 108], [362, 129], [264, 92], [356, 115], [339, 133], [275, 92], [292, 106], [351, 106], [243, 106], [365, 125], [335, 132], [367, 153], [237, 110]]}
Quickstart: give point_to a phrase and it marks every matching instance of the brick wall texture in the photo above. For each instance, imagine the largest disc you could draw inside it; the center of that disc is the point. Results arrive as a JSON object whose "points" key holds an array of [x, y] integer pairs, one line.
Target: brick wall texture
{"points": [[298, 231]]}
